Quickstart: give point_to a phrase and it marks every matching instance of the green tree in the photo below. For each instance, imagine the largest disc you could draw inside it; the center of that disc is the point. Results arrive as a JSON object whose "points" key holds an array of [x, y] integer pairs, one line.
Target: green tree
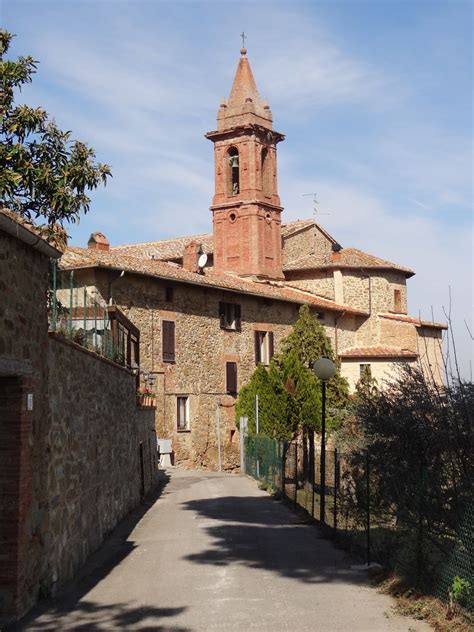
{"points": [[43, 172], [309, 342], [308, 339], [272, 404], [289, 392]]}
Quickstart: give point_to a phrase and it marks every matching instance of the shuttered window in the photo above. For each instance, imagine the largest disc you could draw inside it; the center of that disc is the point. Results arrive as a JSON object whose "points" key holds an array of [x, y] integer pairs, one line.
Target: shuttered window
{"points": [[230, 316], [231, 377], [168, 341], [263, 347]]}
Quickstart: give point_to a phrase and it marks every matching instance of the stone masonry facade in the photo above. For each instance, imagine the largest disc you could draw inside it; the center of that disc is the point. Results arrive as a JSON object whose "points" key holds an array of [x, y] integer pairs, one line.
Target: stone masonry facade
{"points": [[70, 435], [206, 322]]}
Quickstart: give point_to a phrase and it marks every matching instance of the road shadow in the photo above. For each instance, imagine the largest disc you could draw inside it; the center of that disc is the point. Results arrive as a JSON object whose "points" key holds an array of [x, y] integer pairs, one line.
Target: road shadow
{"points": [[262, 533], [68, 611]]}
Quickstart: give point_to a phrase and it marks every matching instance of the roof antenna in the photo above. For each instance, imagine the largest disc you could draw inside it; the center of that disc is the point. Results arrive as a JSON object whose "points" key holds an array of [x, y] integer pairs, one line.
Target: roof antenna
{"points": [[315, 205]]}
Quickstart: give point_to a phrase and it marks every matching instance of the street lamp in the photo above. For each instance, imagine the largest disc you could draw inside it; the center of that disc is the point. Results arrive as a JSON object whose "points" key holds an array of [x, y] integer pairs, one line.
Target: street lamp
{"points": [[324, 369]]}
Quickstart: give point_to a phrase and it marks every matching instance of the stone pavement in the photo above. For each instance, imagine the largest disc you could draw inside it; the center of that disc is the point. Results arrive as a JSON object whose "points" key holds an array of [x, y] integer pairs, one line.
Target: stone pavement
{"points": [[213, 552]]}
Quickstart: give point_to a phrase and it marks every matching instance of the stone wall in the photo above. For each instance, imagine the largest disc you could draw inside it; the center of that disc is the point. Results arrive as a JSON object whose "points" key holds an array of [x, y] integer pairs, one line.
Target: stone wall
{"points": [[70, 433], [202, 350], [94, 473], [373, 291], [398, 334], [321, 282], [429, 346], [306, 241], [23, 418]]}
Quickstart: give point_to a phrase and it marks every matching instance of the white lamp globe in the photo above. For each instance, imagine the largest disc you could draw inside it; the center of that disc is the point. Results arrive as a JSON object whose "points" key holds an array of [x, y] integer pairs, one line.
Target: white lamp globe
{"points": [[324, 368]]}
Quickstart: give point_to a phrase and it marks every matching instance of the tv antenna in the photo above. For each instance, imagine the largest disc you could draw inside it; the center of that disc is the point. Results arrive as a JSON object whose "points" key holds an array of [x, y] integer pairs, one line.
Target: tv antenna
{"points": [[316, 211]]}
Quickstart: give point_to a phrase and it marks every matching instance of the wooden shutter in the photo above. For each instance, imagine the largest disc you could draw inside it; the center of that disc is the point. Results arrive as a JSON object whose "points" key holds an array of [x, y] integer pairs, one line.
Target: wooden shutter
{"points": [[222, 318], [258, 355], [231, 377], [238, 318], [271, 350], [168, 341]]}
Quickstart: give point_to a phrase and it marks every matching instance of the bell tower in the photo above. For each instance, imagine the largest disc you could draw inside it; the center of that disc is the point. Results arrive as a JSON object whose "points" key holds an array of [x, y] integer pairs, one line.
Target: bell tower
{"points": [[246, 207]]}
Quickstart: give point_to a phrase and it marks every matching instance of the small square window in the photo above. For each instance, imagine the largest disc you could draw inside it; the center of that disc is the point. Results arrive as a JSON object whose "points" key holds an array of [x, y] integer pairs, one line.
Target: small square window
{"points": [[229, 316], [182, 415]]}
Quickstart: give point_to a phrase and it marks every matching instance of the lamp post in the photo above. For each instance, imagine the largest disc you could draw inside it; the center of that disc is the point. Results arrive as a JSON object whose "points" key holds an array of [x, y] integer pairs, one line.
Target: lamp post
{"points": [[324, 369]]}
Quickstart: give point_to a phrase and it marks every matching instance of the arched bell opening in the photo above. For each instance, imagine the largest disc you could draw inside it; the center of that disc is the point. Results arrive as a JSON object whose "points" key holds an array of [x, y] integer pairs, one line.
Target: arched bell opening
{"points": [[233, 179], [266, 172]]}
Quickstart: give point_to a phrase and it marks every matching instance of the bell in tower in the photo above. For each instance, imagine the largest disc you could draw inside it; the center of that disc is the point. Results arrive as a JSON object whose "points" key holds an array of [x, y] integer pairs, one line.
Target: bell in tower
{"points": [[246, 207]]}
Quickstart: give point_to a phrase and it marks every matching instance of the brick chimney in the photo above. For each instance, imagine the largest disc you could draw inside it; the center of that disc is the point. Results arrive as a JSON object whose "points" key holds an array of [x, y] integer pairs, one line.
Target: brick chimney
{"points": [[191, 256], [336, 252], [98, 241]]}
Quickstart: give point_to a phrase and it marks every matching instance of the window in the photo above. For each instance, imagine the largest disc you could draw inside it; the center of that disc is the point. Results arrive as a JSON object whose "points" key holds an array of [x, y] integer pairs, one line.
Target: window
{"points": [[263, 347], [266, 173], [169, 294], [234, 171], [229, 316], [363, 369], [182, 413], [231, 378], [168, 341], [397, 301]]}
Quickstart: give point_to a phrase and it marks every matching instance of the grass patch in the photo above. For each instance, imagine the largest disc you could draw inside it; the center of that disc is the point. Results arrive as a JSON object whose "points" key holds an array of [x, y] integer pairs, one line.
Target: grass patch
{"points": [[442, 616]]}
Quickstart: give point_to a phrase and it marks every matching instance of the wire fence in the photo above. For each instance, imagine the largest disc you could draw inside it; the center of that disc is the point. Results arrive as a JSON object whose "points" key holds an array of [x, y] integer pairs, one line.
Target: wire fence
{"points": [[431, 553]]}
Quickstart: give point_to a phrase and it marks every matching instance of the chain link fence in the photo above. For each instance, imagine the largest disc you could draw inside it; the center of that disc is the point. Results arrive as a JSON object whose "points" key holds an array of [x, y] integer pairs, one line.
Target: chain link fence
{"points": [[425, 548]]}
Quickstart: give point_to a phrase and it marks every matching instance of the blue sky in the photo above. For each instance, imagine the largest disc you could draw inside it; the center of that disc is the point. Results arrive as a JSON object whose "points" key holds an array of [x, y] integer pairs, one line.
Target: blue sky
{"points": [[375, 100]]}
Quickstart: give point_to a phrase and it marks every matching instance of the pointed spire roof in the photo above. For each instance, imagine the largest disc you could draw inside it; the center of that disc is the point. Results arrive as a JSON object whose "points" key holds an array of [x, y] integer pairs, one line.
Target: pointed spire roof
{"points": [[244, 104], [244, 86]]}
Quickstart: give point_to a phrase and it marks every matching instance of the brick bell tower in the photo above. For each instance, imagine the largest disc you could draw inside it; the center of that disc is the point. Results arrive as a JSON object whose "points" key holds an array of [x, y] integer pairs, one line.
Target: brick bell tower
{"points": [[246, 207]]}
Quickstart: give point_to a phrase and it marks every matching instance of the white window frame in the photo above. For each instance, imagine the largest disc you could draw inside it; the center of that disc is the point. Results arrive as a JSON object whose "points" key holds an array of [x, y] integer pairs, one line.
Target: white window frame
{"points": [[264, 342], [187, 422]]}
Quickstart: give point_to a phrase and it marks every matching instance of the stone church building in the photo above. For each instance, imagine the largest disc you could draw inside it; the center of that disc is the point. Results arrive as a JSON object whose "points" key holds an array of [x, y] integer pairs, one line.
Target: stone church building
{"points": [[210, 307]]}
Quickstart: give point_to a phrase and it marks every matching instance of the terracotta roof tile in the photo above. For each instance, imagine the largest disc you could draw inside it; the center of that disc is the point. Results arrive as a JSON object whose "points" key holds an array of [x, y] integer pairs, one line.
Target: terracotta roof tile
{"points": [[167, 249], [84, 258], [349, 258], [415, 321], [14, 220], [378, 352]]}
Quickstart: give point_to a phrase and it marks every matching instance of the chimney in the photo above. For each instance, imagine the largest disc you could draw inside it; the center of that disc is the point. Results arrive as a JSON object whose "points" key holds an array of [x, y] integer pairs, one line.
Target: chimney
{"points": [[336, 252], [190, 256], [98, 241]]}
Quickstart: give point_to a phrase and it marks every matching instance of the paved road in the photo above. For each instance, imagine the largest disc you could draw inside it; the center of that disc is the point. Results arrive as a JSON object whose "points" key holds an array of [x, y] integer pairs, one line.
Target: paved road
{"points": [[215, 553]]}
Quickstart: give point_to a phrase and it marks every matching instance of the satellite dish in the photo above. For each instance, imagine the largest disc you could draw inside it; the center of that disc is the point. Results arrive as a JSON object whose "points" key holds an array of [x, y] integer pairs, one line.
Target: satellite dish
{"points": [[202, 261]]}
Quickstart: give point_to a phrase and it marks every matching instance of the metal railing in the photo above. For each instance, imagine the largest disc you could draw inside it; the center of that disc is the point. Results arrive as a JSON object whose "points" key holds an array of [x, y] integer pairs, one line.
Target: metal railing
{"points": [[76, 312]]}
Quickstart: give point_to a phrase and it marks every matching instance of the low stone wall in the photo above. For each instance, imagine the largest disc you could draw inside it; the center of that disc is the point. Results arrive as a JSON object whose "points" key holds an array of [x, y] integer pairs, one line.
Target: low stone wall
{"points": [[97, 471]]}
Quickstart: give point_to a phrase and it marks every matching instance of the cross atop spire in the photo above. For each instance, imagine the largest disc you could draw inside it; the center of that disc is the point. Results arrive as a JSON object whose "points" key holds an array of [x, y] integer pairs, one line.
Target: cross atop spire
{"points": [[244, 37], [244, 105]]}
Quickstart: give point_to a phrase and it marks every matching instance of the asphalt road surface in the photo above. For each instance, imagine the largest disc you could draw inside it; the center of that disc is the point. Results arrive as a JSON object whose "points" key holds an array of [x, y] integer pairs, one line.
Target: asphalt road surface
{"points": [[213, 552]]}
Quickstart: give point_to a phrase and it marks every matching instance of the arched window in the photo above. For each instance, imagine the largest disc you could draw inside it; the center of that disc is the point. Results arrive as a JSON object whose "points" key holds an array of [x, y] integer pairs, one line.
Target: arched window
{"points": [[233, 180], [266, 172]]}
